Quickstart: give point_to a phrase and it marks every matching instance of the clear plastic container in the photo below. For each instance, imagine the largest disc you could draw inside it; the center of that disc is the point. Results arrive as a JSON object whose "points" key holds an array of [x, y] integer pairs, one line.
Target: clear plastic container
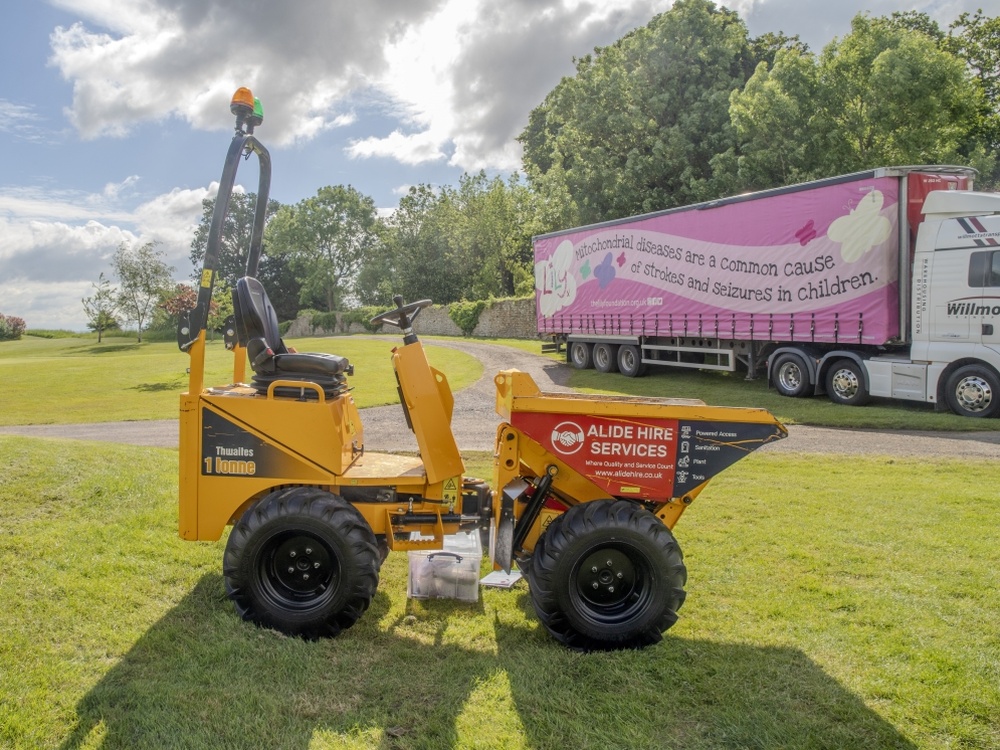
{"points": [[449, 573]]}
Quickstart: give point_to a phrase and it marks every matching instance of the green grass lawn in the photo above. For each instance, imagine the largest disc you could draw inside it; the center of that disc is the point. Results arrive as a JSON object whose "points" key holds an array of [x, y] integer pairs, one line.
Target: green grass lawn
{"points": [[73, 380], [832, 603]]}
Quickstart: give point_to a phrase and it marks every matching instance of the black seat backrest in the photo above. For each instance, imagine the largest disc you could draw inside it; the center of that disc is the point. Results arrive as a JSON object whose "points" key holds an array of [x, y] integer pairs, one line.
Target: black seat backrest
{"points": [[256, 322]]}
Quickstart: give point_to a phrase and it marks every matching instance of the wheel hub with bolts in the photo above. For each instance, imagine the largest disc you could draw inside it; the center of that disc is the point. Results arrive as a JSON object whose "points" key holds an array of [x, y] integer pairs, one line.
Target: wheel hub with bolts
{"points": [[790, 376], [845, 382], [606, 577], [302, 565], [974, 394]]}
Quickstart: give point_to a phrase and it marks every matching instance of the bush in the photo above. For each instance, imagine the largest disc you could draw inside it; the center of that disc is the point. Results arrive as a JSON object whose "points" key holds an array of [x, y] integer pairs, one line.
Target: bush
{"points": [[11, 327], [326, 321], [362, 316], [52, 333], [466, 315]]}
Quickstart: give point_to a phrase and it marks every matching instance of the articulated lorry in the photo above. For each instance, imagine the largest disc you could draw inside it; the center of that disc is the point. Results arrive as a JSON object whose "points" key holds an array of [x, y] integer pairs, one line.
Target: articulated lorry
{"points": [[884, 283]]}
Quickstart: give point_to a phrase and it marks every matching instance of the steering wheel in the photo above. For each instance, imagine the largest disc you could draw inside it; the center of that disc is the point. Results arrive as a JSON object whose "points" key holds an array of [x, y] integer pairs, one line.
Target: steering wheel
{"points": [[404, 315]]}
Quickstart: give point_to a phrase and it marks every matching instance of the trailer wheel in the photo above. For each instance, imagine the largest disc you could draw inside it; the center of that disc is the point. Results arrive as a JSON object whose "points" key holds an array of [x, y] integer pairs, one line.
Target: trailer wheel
{"points": [[630, 362], [973, 391], [605, 357], [606, 575], [302, 561], [790, 376], [845, 384], [580, 355]]}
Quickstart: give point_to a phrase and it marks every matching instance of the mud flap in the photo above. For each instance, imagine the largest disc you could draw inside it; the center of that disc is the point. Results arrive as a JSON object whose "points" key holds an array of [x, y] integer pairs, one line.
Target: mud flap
{"points": [[502, 536]]}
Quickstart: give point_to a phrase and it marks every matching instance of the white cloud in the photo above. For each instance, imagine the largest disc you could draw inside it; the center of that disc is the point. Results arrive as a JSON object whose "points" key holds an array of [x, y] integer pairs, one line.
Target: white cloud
{"points": [[20, 121], [184, 58], [458, 76], [418, 148], [47, 305], [56, 244]]}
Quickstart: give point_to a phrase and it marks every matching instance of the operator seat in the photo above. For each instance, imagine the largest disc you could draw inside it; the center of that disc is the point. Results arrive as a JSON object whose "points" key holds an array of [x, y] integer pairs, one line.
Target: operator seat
{"points": [[257, 330]]}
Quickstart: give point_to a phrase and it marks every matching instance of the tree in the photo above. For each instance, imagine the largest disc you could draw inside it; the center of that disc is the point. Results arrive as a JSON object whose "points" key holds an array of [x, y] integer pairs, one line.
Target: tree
{"points": [[637, 128], [101, 307], [325, 239], [490, 235], [976, 39], [184, 298], [472, 242], [891, 96], [219, 308], [143, 278], [885, 94], [273, 269], [414, 258], [779, 144]]}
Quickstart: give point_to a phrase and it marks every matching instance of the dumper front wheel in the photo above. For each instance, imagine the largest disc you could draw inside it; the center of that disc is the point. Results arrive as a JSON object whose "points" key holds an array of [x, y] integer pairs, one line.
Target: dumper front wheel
{"points": [[607, 575], [302, 561]]}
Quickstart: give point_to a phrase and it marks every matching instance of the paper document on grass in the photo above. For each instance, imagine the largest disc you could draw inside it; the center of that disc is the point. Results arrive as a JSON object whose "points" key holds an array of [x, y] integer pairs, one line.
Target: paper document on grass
{"points": [[499, 579]]}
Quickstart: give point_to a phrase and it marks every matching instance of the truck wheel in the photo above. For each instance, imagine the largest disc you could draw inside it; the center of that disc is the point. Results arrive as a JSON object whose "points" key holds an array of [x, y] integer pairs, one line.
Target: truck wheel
{"points": [[630, 362], [605, 358], [580, 355], [301, 561], [845, 383], [790, 376], [607, 575], [973, 391]]}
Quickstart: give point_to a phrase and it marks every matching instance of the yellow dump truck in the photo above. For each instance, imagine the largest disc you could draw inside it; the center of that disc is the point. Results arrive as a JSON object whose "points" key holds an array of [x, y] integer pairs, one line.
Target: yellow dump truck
{"points": [[584, 494]]}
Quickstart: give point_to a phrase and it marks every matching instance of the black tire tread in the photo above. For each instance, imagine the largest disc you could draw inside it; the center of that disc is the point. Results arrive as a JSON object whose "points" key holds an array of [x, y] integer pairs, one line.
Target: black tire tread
{"points": [[603, 517], [308, 505]]}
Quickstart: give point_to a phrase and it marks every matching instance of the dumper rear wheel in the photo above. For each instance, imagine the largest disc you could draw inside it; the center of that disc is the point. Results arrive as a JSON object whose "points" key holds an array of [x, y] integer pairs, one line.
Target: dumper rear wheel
{"points": [[302, 561], [607, 575]]}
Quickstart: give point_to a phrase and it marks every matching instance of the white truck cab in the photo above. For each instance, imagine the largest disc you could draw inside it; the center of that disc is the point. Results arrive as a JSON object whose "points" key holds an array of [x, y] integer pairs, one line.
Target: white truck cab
{"points": [[954, 353]]}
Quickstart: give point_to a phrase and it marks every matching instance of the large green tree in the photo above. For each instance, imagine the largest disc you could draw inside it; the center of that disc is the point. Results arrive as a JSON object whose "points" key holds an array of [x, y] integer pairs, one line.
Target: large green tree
{"points": [[891, 96], [467, 242], [637, 128], [885, 94], [415, 258], [324, 239], [976, 39], [490, 224], [273, 270]]}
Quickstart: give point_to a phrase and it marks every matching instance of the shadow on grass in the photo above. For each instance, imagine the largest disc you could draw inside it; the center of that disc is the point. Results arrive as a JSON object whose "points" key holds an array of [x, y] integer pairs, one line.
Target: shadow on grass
{"points": [[109, 348], [157, 387], [201, 678]]}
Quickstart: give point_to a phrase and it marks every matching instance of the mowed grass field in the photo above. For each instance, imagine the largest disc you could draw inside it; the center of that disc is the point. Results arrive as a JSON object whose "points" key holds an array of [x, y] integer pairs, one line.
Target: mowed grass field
{"points": [[833, 602], [73, 380]]}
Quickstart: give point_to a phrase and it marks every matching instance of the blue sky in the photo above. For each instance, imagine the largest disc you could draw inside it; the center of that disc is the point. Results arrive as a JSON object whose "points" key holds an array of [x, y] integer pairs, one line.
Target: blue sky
{"points": [[114, 113]]}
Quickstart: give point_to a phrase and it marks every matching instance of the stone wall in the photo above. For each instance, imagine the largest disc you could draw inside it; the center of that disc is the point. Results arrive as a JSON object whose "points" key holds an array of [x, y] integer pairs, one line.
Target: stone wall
{"points": [[508, 318]]}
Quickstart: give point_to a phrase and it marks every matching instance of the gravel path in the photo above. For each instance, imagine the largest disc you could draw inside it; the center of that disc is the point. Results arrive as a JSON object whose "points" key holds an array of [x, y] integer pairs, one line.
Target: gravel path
{"points": [[474, 421]]}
